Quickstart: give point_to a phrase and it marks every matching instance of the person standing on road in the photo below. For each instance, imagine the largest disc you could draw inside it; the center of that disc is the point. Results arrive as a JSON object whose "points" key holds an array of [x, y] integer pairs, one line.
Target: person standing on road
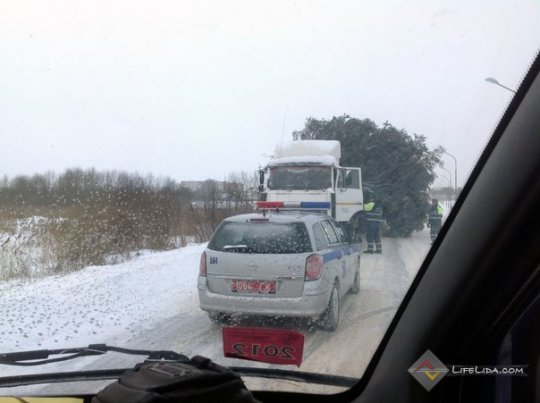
{"points": [[373, 223], [435, 219]]}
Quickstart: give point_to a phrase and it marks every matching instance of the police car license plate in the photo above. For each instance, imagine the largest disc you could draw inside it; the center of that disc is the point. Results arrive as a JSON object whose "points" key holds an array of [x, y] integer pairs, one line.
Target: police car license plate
{"points": [[253, 286]]}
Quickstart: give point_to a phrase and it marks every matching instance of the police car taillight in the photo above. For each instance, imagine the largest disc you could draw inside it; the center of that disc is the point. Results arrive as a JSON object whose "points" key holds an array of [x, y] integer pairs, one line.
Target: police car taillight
{"points": [[314, 267], [202, 265]]}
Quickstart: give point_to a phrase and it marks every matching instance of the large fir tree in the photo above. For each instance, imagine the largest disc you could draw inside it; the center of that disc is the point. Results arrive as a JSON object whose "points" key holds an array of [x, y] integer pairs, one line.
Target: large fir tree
{"points": [[397, 168]]}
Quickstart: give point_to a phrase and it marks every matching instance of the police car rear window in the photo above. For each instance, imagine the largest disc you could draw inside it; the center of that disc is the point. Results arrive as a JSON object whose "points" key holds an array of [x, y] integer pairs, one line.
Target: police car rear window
{"points": [[266, 238]]}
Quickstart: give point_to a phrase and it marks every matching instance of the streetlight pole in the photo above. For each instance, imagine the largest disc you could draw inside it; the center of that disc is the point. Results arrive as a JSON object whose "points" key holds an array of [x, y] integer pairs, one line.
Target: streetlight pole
{"points": [[449, 177], [493, 81], [449, 180], [455, 173]]}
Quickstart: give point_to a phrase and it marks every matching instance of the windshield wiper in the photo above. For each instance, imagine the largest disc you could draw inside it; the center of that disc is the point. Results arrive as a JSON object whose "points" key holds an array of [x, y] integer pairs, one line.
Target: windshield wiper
{"points": [[296, 376], [106, 374], [229, 247], [238, 249], [39, 357]]}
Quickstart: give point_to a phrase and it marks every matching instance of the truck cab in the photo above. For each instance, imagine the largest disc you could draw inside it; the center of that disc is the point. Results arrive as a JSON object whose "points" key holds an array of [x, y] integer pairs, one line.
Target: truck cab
{"points": [[308, 171]]}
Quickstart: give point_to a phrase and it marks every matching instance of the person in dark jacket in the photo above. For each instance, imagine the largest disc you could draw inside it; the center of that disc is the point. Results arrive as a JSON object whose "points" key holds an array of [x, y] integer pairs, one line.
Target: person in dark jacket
{"points": [[373, 227], [435, 219]]}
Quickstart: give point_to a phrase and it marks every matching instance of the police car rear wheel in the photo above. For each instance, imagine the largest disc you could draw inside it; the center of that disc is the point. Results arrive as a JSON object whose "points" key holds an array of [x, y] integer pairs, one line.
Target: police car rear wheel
{"points": [[330, 318]]}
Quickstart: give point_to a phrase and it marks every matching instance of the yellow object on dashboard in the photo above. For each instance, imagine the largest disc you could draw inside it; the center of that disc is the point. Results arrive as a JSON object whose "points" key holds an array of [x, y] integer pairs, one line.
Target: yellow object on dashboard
{"points": [[41, 399]]}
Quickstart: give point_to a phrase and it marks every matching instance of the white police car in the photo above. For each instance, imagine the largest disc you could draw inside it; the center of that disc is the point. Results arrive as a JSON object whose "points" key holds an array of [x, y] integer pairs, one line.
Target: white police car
{"points": [[279, 264]]}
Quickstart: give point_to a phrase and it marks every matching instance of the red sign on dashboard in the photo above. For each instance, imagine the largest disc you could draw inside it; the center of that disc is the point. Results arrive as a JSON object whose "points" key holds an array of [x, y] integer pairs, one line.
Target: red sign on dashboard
{"points": [[275, 346]]}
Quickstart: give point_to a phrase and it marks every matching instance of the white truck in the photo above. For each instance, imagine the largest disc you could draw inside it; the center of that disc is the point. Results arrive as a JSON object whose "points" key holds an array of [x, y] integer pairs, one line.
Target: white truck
{"points": [[307, 174]]}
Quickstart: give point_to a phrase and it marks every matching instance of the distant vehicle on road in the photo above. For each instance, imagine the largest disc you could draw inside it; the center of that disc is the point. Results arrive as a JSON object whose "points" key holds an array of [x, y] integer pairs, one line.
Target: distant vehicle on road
{"points": [[279, 264]]}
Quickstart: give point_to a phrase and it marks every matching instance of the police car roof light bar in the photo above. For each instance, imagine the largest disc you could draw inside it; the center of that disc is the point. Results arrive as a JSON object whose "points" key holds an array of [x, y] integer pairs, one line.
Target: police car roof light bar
{"points": [[276, 206]]}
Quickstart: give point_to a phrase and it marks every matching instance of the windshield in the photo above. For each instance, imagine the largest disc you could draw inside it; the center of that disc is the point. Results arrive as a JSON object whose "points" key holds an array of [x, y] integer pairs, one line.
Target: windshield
{"points": [[300, 177], [130, 132]]}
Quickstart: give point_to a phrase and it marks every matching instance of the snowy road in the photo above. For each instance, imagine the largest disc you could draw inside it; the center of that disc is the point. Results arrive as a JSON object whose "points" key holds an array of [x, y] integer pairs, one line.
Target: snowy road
{"points": [[364, 317], [151, 302]]}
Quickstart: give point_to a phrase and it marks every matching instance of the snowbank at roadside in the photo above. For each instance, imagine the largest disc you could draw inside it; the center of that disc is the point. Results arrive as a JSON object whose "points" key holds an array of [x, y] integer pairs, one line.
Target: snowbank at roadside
{"points": [[99, 304]]}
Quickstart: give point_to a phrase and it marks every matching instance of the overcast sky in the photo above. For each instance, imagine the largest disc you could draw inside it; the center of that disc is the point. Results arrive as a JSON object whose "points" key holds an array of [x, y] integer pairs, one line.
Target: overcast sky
{"points": [[199, 89]]}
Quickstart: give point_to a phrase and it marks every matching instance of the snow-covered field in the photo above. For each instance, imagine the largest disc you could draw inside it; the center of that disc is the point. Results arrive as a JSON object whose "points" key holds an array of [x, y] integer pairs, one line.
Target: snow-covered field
{"points": [[151, 302], [100, 303]]}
